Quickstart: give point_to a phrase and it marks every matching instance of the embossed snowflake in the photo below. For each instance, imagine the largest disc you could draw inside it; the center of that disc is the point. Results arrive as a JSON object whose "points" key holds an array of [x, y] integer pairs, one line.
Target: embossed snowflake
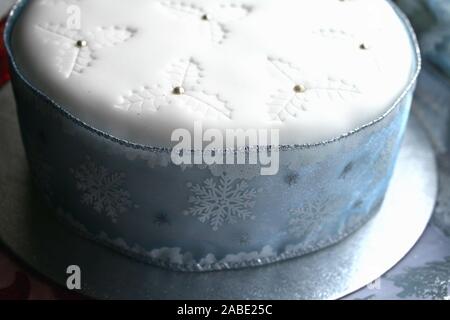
{"points": [[431, 281], [182, 89], [224, 202], [77, 48], [304, 219], [305, 90], [216, 18], [102, 190]]}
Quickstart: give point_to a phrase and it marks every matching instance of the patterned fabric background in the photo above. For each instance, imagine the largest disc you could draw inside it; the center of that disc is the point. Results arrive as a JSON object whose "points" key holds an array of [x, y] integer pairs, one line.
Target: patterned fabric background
{"points": [[431, 20], [425, 272]]}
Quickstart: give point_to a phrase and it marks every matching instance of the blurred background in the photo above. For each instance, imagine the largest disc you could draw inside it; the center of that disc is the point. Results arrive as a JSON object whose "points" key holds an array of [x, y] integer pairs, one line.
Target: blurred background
{"points": [[431, 20]]}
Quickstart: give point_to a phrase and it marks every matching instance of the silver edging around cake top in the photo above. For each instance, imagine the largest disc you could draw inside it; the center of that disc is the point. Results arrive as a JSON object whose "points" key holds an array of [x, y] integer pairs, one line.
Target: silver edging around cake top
{"points": [[20, 4]]}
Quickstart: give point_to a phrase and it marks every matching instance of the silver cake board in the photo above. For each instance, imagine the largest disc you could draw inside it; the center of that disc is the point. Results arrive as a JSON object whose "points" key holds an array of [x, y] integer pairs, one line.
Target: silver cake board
{"points": [[31, 231]]}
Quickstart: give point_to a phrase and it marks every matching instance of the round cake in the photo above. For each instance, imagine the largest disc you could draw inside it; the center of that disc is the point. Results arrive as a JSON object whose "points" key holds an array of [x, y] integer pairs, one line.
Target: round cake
{"points": [[205, 135]]}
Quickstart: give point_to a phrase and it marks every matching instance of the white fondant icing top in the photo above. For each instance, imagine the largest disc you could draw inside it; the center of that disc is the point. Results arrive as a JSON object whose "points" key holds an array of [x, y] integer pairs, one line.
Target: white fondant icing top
{"points": [[314, 69]]}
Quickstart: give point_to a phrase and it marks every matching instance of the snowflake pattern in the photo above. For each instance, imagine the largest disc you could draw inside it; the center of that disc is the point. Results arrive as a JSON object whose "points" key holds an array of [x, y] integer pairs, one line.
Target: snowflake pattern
{"points": [[304, 91], [184, 78], [244, 239], [431, 281], [304, 219], [161, 220], [102, 189], [216, 19], [225, 201], [77, 48], [292, 179]]}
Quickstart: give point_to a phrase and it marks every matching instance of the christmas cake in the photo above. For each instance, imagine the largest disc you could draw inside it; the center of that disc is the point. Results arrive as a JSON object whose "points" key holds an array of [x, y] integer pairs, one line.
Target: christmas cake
{"points": [[135, 115]]}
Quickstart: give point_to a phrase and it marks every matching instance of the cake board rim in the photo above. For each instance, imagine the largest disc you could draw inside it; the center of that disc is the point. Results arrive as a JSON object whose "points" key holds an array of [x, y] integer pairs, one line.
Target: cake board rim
{"points": [[49, 247]]}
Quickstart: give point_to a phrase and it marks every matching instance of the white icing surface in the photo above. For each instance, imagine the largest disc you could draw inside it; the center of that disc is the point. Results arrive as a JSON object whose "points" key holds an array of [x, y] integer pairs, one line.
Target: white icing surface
{"points": [[238, 68]]}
